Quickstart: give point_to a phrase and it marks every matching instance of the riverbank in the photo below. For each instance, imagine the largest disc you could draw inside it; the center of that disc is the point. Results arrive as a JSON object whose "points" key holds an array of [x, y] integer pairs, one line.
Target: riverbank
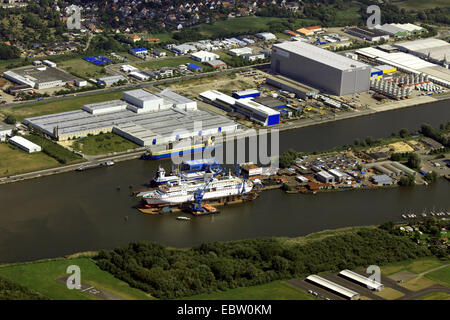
{"points": [[419, 101]]}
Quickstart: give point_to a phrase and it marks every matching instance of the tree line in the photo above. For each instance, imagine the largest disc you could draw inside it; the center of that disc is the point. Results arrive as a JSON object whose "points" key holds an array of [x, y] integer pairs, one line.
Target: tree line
{"points": [[173, 273]]}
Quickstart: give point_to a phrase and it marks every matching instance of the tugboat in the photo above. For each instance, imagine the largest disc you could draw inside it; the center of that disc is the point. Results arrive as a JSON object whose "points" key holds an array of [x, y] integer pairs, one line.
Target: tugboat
{"points": [[98, 165]]}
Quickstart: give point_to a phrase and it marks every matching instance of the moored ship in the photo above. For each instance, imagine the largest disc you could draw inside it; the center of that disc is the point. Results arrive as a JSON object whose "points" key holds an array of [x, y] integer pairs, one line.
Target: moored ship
{"points": [[183, 191]]}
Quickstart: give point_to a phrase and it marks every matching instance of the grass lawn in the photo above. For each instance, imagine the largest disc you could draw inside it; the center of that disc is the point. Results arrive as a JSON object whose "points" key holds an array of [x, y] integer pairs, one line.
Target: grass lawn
{"points": [[420, 4], [277, 290], [62, 105], [441, 276], [165, 62], [42, 277], [15, 161], [414, 266], [350, 13], [102, 144], [435, 296], [417, 283], [389, 294], [81, 68], [249, 24]]}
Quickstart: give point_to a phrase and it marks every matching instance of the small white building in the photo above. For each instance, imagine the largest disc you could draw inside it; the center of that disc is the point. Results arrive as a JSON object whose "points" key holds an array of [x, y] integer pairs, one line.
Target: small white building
{"points": [[266, 36], [128, 68], [5, 130], [240, 51], [80, 83], [139, 76], [204, 56], [254, 57], [25, 144], [49, 63]]}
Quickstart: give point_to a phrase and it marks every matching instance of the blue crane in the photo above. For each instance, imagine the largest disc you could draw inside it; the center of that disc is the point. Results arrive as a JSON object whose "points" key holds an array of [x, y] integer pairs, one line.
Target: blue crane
{"points": [[200, 192]]}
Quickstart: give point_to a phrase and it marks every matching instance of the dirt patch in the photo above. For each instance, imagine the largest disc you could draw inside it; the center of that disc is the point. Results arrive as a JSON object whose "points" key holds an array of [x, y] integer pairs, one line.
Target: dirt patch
{"points": [[400, 147], [403, 275]]}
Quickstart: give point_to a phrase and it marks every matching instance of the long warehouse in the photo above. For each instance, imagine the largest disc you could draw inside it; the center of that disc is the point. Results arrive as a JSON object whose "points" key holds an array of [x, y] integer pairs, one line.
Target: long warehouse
{"points": [[356, 277], [320, 68], [255, 111], [152, 119], [334, 287]]}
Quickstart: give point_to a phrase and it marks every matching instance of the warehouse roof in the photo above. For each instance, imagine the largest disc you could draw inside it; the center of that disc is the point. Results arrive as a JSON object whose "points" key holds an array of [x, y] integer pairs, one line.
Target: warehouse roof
{"points": [[174, 97], [368, 32], [333, 286], [42, 74], [248, 102], [204, 54], [382, 179], [24, 142], [371, 284], [318, 54]]}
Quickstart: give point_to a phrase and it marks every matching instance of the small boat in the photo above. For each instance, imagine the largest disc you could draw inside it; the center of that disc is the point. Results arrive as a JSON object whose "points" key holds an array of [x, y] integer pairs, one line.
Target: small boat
{"points": [[183, 218], [97, 165]]}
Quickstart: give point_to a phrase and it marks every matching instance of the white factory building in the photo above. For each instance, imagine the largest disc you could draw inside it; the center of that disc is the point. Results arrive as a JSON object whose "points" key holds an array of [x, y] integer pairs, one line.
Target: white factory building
{"points": [[128, 68], [204, 56], [434, 50], [256, 112], [41, 77], [240, 51], [408, 63], [334, 287], [356, 277], [266, 36], [109, 80], [24, 144], [142, 117]]}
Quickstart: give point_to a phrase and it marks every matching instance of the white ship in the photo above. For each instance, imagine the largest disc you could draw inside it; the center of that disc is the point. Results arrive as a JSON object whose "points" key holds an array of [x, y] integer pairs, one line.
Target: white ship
{"points": [[184, 191], [161, 178]]}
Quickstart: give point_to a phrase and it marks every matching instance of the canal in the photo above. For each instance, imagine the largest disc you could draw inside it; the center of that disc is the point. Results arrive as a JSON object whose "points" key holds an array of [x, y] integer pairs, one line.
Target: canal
{"points": [[80, 211]]}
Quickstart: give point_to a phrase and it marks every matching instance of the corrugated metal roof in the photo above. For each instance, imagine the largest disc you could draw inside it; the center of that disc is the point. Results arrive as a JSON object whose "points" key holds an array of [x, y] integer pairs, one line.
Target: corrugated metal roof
{"points": [[318, 54]]}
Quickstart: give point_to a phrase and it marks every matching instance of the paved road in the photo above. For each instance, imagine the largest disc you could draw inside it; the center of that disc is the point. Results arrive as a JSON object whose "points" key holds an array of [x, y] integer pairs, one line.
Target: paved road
{"points": [[146, 84], [72, 167]]}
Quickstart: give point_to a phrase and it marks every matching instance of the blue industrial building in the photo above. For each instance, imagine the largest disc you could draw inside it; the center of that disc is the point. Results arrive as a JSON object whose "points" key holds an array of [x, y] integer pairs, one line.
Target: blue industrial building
{"points": [[246, 94]]}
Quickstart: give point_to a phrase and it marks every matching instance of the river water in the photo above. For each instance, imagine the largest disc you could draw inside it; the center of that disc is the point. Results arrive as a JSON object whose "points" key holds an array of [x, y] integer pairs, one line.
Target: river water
{"points": [[79, 211]]}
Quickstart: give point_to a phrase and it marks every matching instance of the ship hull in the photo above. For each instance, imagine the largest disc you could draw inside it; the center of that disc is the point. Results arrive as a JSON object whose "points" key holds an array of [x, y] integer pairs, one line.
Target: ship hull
{"points": [[169, 153], [189, 197]]}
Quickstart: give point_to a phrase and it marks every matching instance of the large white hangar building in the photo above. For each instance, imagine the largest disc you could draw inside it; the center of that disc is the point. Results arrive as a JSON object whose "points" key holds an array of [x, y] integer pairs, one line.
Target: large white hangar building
{"points": [[320, 68], [142, 117]]}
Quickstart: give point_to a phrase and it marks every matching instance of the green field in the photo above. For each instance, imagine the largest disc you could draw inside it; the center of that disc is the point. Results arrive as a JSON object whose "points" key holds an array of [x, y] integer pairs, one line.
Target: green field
{"points": [[441, 276], [54, 150], [249, 24], [102, 144], [16, 161], [420, 4], [61, 105], [165, 62], [277, 290], [349, 16], [41, 276], [81, 68], [435, 296], [415, 266]]}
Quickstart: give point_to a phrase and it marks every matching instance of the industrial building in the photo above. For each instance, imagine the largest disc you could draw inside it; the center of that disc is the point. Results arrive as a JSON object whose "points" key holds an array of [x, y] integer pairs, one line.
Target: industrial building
{"points": [[408, 63], [240, 51], [320, 68], [334, 287], [400, 30], [49, 63], [368, 34], [356, 277], [24, 144], [255, 111], [434, 50], [217, 64], [142, 117], [139, 52], [382, 180], [266, 36], [128, 68], [140, 76], [204, 56], [246, 94], [109, 80], [42, 77], [324, 177]]}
